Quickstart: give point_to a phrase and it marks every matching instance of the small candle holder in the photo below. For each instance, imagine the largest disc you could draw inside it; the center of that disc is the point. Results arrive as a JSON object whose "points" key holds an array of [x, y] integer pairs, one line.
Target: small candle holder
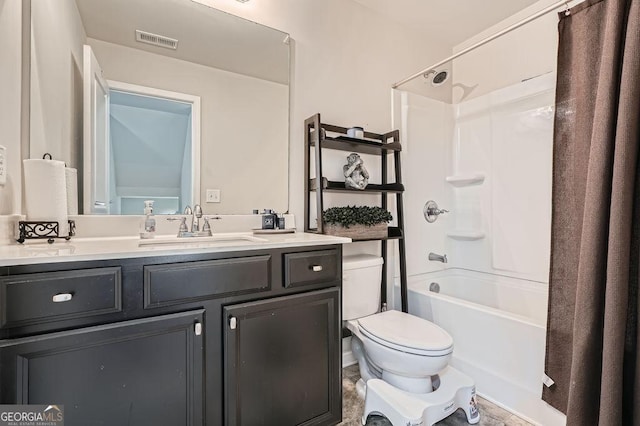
{"points": [[43, 230]]}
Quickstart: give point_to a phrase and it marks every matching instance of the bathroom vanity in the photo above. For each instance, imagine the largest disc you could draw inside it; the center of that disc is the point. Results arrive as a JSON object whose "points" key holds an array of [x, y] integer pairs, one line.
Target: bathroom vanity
{"points": [[149, 336]]}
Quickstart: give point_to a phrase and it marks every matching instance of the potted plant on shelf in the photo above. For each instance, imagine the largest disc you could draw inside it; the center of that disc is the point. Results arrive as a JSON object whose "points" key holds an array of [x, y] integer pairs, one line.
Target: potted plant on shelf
{"points": [[356, 222]]}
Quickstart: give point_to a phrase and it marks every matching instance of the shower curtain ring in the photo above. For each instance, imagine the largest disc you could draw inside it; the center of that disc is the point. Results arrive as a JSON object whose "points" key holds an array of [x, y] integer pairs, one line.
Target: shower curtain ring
{"points": [[567, 9]]}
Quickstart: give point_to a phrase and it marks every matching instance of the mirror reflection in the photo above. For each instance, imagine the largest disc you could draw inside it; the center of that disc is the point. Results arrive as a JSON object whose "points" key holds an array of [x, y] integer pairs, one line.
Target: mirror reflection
{"points": [[162, 100]]}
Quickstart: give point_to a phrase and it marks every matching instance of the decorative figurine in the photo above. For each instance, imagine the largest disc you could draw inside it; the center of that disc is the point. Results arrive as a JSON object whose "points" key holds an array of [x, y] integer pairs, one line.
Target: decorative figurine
{"points": [[355, 174]]}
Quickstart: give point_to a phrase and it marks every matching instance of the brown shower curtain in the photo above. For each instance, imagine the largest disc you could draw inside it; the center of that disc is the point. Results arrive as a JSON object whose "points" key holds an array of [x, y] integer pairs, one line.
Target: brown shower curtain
{"points": [[593, 334]]}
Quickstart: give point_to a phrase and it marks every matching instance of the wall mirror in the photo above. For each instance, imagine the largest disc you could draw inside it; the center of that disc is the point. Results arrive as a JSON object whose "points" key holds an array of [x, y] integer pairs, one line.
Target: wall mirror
{"points": [[161, 100]]}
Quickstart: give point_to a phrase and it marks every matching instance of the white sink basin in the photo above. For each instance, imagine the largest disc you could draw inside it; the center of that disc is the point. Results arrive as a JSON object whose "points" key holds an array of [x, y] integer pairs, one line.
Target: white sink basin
{"points": [[215, 240]]}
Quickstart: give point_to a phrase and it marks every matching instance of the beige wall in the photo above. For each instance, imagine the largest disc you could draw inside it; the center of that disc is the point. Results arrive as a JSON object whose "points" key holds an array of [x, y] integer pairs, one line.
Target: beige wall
{"points": [[244, 125], [345, 58], [524, 53], [56, 80], [10, 79]]}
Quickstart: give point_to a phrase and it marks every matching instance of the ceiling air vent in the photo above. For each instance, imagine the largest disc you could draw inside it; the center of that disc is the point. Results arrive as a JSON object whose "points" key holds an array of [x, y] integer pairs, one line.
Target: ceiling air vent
{"points": [[156, 40]]}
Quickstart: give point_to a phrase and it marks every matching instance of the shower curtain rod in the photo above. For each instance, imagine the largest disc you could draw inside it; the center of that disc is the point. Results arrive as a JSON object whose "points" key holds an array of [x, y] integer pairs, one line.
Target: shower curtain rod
{"points": [[525, 21]]}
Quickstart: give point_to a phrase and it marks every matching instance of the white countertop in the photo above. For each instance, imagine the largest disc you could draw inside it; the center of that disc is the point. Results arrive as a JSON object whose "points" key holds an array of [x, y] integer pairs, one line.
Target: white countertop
{"points": [[79, 249]]}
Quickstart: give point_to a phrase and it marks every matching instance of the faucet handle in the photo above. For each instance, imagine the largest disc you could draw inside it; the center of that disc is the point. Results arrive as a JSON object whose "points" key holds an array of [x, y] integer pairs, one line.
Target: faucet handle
{"points": [[206, 228], [183, 224], [431, 211]]}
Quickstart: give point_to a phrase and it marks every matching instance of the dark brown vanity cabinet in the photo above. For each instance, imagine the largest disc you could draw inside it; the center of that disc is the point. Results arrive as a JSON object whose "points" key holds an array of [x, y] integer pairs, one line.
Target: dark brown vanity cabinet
{"points": [[282, 360], [141, 372], [209, 339]]}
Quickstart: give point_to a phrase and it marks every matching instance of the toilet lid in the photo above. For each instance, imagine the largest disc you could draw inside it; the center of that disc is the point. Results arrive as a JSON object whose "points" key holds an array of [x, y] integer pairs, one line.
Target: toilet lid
{"points": [[407, 333]]}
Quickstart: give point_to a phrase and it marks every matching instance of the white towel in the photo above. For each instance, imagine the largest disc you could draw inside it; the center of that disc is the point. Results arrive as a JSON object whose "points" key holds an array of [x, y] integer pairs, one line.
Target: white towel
{"points": [[45, 187], [72, 190]]}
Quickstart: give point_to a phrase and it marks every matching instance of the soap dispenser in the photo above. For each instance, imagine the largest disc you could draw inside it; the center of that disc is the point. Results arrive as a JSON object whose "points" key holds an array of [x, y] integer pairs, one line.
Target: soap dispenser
{"points": [[148, 228]]}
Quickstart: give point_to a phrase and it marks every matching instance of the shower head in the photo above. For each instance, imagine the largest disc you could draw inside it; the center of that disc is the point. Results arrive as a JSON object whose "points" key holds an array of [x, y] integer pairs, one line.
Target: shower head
{"points": [[437, 78]]}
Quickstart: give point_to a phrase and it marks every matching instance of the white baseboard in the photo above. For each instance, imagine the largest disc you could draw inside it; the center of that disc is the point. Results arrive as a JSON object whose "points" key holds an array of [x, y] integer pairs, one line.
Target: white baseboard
{"points": [[347, 356], [348, 359]]}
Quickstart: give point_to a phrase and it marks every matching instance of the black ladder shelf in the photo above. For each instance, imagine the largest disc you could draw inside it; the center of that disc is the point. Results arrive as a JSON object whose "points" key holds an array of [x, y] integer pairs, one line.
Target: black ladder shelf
{"points": [[377, 144]]}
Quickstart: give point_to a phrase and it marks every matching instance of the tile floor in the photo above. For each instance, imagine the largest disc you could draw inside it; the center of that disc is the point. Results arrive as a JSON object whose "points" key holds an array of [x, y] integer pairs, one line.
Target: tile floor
{"points": [[352, 407]]}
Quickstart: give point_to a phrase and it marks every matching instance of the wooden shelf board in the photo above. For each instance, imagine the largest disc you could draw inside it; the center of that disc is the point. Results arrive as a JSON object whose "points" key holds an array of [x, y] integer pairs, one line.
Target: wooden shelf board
{"points": [[344, 130], [363, 146], [333, 186], [394, 233]]}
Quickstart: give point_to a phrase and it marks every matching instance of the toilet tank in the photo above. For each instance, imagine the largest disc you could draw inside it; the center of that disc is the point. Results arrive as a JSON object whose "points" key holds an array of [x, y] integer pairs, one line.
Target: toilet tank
{"points": [[361, 279]]}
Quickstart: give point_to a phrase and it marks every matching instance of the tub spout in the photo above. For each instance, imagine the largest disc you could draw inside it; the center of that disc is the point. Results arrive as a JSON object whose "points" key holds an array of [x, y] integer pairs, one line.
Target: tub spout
{"points": [[437, 257]]}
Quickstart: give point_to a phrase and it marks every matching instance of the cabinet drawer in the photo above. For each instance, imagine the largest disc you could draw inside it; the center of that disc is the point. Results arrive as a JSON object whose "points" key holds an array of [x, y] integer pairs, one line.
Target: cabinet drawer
{"points": [[311, 267], [183, 282], [52, 296]]}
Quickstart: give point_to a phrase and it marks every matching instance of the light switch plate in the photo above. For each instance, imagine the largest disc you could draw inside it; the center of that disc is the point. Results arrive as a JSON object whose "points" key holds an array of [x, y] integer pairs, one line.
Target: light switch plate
{"points": [[3, 165], [213, 195]]}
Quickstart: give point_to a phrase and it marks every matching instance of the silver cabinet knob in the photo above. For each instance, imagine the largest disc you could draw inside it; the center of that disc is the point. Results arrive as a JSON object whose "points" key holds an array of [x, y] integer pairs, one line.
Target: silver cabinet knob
{"points": [[233, 323], [62, 297]]}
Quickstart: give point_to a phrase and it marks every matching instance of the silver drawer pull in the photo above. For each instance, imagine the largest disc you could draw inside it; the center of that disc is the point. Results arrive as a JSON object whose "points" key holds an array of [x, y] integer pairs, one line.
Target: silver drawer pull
{"points": [[233, 323], [62, 297], [316, 268], [198, 329]]}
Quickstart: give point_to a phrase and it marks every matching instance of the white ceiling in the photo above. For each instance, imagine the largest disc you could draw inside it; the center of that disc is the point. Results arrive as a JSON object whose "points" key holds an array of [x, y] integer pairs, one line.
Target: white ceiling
{"points": [[447, 21]]}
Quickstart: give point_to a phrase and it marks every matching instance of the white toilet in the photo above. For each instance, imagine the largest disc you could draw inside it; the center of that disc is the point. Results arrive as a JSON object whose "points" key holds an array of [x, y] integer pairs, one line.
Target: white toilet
{"points": [[403, 359]]}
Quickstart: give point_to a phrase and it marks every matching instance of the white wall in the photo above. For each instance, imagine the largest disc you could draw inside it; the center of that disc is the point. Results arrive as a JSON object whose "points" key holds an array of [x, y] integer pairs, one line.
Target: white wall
{"points": [[10, 106], [526, 52], [345, 58], [57, 36]]}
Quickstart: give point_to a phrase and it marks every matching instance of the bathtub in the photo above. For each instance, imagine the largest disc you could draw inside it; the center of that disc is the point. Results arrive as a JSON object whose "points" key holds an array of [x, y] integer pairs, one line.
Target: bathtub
{"points": [[498, 328]]}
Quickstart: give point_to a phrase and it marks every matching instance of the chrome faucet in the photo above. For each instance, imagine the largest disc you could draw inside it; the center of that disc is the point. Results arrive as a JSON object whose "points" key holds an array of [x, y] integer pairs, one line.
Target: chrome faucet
{"points": [[195, 221], [196, 214], [437, 257]]}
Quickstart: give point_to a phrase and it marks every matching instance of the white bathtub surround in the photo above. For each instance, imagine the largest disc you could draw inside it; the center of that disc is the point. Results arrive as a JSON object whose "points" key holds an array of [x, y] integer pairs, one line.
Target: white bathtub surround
{"points": [[498, 326], [426, 127], [488, 161]]}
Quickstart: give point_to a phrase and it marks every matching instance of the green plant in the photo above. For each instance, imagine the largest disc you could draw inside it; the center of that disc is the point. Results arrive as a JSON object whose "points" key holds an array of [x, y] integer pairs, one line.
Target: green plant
{"points": [[364, 215]]}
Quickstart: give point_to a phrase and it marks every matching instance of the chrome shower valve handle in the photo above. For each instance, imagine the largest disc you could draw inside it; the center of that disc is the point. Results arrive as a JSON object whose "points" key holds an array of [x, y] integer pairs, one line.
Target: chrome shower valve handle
{"points": [[431, 211]]}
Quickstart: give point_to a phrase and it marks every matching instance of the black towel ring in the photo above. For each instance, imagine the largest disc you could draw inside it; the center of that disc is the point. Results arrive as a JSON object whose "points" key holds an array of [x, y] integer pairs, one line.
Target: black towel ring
{"points": [[44, 157]]}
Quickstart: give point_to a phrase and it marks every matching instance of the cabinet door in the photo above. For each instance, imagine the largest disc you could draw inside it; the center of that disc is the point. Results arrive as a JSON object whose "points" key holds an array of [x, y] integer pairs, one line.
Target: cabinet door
{"points": [[140, 372], [282, 360]]}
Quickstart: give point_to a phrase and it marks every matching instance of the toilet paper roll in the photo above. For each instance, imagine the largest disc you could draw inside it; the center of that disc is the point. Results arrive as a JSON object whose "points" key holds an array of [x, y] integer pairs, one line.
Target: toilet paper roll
{"points": [[45, 187], [72, 190]]}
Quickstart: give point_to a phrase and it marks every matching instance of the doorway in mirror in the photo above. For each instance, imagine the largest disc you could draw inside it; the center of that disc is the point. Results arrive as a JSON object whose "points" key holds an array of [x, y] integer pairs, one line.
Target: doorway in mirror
{"points": [[141, 143]]}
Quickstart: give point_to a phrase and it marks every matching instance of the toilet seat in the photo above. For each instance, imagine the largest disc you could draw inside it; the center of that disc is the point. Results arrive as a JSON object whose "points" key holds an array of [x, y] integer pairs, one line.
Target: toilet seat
{"points": [[406, 333]]}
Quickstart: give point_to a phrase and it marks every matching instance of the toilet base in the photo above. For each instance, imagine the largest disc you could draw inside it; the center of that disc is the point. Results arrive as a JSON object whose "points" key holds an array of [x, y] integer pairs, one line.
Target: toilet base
{"points": [[403, 408]]}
